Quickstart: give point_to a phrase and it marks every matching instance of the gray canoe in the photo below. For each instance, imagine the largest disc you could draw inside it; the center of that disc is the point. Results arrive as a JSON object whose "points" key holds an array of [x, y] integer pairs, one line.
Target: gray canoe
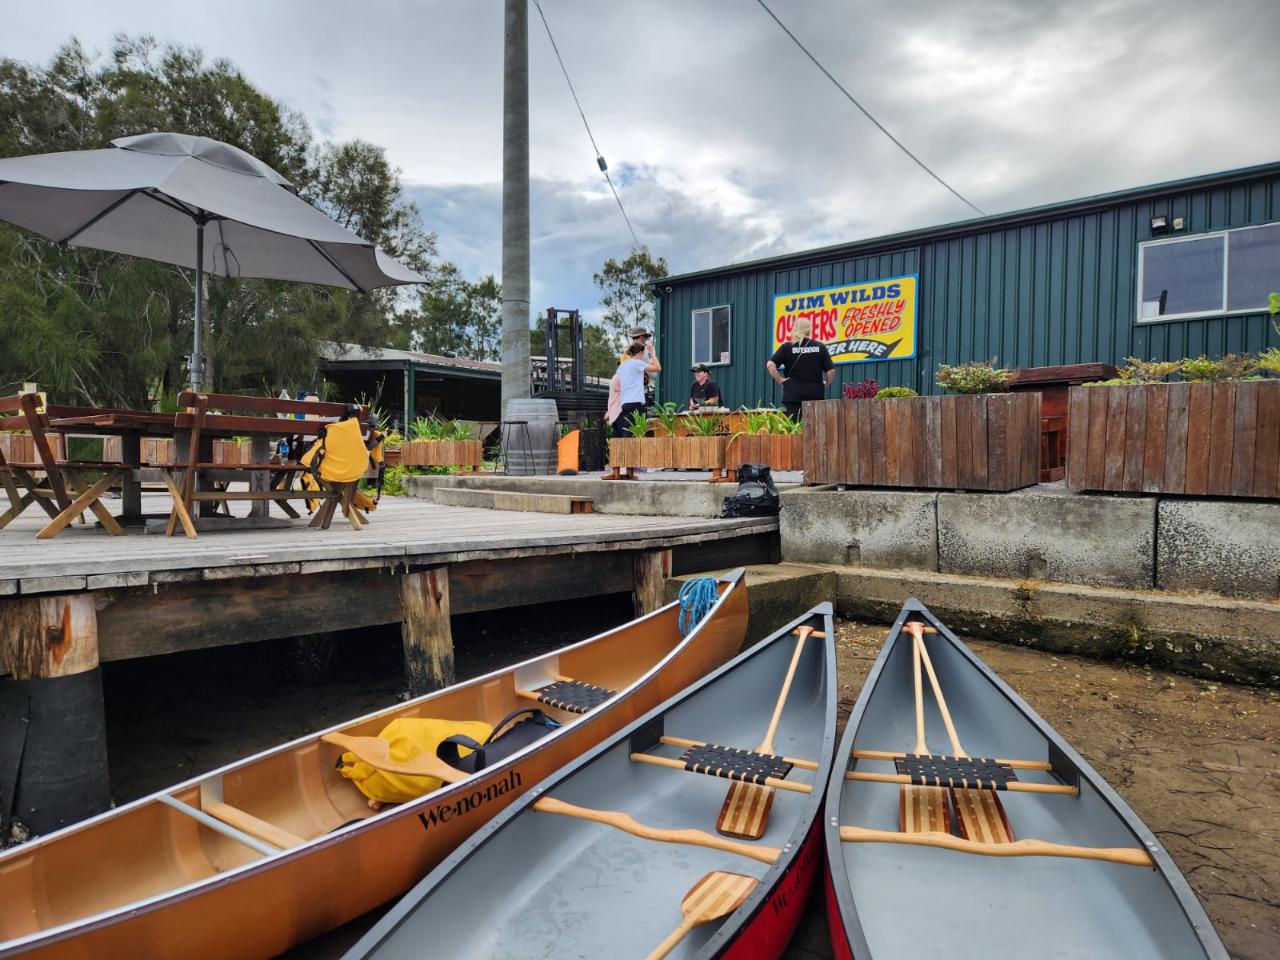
{"points": [[893, 901], [536, 884]]}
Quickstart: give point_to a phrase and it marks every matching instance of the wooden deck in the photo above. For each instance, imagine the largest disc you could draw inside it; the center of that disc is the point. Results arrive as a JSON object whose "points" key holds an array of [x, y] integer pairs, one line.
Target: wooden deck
{"points": [[402, 532], [148, 594]]}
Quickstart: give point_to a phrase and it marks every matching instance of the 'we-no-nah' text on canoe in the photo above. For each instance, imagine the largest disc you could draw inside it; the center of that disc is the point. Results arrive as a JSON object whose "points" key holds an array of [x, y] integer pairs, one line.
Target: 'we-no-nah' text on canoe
{"points": [[444, 812]]}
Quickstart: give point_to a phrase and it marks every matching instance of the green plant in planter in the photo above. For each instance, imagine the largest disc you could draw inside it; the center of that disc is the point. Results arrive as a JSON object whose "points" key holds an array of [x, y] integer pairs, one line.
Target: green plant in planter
{"points": [[756, 421], [637, 424], [1230, 366], [706, 426], [890, 393], [455, 430], [423, 428], [1269, 360], [780, 423], [976, 376], [1148, 371], [668, 414]]}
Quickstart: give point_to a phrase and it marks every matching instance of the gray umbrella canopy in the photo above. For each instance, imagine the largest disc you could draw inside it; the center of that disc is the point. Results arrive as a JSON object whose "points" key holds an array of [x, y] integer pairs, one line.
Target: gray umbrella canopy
{"points": [[154, 196]]}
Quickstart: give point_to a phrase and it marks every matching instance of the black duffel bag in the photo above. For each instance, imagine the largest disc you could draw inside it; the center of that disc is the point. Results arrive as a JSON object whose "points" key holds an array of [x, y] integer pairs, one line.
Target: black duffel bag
{"points": [[500, 744], [756, 496]]}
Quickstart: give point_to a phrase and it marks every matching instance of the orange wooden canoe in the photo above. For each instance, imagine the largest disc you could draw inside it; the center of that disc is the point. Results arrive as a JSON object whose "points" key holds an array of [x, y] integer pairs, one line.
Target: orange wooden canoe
{"points": [[261, 855]]}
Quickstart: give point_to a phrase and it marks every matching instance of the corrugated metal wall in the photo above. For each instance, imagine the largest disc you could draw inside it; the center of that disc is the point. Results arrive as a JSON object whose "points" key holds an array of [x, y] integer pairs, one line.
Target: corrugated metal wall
{"points": [[1061, 290]]}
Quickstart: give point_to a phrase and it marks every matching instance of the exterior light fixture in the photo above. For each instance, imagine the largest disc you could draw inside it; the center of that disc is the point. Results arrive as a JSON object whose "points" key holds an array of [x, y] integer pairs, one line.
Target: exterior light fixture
{"points": [[1160, 224]]}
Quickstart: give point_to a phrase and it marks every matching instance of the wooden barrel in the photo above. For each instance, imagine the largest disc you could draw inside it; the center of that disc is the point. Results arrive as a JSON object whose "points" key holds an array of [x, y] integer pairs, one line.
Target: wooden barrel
{"points": [[539, 456]]}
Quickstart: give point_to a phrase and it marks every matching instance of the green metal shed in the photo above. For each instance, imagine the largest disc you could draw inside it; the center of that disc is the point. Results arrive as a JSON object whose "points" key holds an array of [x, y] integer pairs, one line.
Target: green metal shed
{"points": [[1049, 285]]}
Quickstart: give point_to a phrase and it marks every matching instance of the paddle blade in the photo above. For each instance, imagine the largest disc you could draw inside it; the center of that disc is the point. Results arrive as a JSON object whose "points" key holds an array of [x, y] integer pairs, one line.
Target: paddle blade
{"points": [[745, 813], [923, 810], [980, 816], [716, 895]]}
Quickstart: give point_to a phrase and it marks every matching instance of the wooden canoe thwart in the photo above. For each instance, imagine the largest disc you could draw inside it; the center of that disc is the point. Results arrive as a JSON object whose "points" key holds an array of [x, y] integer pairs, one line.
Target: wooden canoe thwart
{"points": [[618, 854], [1045, 844], [266, 853], [987, 441], [1196, 439]]}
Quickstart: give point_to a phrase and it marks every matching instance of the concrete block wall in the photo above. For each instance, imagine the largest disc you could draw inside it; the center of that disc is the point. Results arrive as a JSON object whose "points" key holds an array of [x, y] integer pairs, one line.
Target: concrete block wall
{"points": [[1224, 547]]}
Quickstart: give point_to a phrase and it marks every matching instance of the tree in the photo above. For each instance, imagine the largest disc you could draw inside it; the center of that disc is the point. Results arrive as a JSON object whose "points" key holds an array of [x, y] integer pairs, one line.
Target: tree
{"points": [[109, 329], [456, 317], [627, 288]]}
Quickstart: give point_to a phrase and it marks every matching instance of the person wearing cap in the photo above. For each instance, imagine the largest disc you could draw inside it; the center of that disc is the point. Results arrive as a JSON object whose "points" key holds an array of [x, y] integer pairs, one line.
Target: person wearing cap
{"points": [[704, 392]]}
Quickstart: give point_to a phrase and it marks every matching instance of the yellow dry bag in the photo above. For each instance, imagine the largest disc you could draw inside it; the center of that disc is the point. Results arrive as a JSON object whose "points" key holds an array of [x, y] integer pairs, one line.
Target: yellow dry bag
{"points": [[407, 737]]}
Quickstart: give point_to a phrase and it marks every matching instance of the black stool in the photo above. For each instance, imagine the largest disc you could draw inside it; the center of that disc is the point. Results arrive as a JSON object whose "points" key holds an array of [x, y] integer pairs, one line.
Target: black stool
{"points": [[520, 428]]}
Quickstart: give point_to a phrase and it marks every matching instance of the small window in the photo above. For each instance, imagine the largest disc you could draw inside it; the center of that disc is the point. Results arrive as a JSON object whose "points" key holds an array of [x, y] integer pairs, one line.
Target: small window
{"points": [[1232, 271], [711, 336]]}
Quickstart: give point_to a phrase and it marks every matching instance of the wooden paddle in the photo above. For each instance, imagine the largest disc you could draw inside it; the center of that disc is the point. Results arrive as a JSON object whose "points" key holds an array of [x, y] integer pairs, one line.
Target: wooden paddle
{"points": [[716, 895], [921, 809], [376, 752], [628, 824], [745, 813], [981, 815]]}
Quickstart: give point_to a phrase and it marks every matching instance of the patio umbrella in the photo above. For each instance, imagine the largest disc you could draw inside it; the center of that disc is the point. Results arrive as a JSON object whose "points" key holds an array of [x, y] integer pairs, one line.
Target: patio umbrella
{"points": [[154, 195]]}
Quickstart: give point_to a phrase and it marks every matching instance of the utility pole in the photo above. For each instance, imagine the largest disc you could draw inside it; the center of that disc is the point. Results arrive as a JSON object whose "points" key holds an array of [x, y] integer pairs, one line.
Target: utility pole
{"points": [[515, 203]]}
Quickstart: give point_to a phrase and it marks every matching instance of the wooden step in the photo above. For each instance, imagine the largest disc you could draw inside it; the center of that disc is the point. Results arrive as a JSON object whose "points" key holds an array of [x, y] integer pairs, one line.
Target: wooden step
{"points": [[511, 500]]}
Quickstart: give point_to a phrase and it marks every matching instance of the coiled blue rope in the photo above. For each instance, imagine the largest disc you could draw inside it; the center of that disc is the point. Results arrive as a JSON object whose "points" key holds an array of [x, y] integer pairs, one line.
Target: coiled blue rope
{"points": [[697, 597]]}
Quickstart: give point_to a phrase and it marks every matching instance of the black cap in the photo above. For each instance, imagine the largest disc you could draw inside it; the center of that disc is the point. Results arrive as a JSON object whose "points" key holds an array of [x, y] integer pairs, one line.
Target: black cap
{"points": [[700, 368]]}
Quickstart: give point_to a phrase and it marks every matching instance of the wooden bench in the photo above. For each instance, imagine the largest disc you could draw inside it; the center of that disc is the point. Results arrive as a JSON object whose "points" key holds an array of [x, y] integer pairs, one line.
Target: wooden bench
{"points": [[54, 483], [270, 481]]}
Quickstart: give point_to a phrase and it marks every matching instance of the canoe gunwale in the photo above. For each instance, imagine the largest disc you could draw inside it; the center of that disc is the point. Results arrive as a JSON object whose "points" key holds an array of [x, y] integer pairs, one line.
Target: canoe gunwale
{"points": [[1067, 765], [648, 729], [50, 936]]}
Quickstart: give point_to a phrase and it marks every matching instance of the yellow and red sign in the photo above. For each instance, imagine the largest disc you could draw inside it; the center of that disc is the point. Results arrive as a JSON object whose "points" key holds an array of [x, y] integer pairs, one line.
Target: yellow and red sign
{"points": [[858, 322]]}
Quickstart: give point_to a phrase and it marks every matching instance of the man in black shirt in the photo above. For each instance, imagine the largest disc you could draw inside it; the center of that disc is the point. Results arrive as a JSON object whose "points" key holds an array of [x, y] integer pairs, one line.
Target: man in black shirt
{"points": [[704, 392], [808, 367]]}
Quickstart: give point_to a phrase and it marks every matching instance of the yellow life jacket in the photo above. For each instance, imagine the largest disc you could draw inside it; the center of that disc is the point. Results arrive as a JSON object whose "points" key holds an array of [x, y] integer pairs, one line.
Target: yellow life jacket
{"points": [[407, 737], [339, 455]]}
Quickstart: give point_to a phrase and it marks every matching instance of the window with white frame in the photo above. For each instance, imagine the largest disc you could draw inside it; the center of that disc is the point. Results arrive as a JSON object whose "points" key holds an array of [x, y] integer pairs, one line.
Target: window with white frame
{"points": [[711, 336], [1231, 271]]}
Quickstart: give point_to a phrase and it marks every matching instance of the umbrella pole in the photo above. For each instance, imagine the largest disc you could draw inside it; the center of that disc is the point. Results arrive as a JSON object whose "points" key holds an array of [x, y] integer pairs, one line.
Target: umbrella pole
{"points": [[197, 358]]}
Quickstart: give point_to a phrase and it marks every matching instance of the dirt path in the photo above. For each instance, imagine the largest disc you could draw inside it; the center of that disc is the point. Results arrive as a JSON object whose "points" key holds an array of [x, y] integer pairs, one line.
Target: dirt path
{"points": [[1198, 761]]}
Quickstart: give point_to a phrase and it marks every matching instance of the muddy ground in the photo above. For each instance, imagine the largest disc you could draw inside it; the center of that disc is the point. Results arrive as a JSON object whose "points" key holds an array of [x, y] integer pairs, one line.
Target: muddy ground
{"points": [[1197, 760]]}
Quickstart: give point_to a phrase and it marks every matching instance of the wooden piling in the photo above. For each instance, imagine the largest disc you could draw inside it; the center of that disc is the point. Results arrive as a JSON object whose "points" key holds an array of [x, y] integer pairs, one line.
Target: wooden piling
{"points": [[651, 569], [425, 630], [53, 743]]}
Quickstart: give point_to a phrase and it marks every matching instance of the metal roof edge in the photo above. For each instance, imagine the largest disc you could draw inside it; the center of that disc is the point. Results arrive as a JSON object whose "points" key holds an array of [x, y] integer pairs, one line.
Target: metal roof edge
{"points": [[960, 227]]}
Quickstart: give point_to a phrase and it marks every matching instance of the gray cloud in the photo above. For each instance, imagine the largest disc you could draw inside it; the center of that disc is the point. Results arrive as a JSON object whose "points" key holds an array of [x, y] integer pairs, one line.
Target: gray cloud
{"points": [[728, 144]]}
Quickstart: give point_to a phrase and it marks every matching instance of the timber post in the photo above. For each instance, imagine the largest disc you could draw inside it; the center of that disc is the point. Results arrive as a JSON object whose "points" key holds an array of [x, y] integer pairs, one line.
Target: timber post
{"points": [[425, 630], [651, 568], [53, 742]]}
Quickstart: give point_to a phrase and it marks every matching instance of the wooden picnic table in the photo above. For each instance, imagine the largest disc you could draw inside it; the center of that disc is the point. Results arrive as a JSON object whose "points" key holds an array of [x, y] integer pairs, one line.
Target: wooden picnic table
{"points": [[132, 425]]}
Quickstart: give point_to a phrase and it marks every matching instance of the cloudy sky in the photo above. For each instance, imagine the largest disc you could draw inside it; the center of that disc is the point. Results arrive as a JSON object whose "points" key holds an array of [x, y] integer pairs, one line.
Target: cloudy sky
{"points": [[727, 143]]}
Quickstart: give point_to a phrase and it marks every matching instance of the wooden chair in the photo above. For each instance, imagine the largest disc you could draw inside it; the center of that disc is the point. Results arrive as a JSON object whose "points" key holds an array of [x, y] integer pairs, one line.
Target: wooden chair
{"points": [[54, 483], [259, 417]]}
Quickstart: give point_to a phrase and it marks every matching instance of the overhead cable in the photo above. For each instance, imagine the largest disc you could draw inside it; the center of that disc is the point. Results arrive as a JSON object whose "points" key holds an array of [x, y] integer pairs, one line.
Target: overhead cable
{"points": [[604, 168], [866, 113]]}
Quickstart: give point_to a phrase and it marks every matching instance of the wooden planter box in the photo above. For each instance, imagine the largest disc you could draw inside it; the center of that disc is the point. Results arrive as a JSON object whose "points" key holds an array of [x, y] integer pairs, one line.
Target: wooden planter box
{"points": [[648, 452], [776, 451], [687, 453], [1198, 439], [231, 453], [987, 441], [442, 453]]}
